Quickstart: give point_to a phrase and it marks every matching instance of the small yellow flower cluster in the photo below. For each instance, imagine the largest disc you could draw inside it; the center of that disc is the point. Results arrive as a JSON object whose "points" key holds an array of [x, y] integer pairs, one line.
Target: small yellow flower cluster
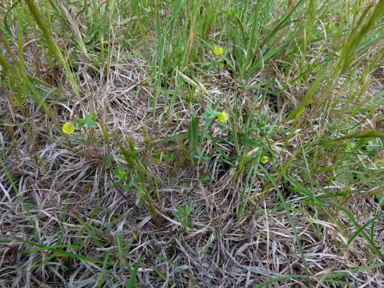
{"points": [[222, 117], [218, 51], [68, 128], [122, 174], [264, 159], [350, 146]]}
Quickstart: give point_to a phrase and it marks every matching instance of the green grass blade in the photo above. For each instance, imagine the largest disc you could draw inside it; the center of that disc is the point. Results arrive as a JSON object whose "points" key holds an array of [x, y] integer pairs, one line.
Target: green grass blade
{"points": [[359, 135], [193, 138], [53, 255], [357, 233], [132, 279], [86, 226], [353, 271], [60, 252], [103, 269]]}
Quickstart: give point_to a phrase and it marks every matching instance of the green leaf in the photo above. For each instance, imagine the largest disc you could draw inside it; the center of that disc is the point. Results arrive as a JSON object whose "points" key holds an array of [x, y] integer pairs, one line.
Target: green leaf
{"points": [[211, 111], [61, 252], [126, 155], [205, 65], [121, 167], [169, 156], [122, 255], [91, 124], [363, 234], [106, 161], [80, 137], [9, 31], [181, 210], [369, 148], [43, 262], [298, 111], [358, 33], [133, 150], [88, 119], [176, 215], [189, 224], [204, 178], [341, 283], [206, 116], [357, 270], [178, 136], [103, 269], [209, 121], [132, 279]]}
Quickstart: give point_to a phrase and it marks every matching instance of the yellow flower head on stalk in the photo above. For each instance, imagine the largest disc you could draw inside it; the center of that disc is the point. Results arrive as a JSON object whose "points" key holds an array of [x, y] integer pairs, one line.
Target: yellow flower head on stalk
{"points": [[264, 159], [350, 145], [222, 117], [218, 50], [122, 174], [68, 128]]}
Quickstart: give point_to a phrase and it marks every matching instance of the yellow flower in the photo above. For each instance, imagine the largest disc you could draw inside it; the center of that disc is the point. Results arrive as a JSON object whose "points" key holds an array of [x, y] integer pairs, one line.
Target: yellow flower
{"points": [[218, 51], [222, 117], [350, 145], [122, 174], [68, 128], [264, 159]]}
